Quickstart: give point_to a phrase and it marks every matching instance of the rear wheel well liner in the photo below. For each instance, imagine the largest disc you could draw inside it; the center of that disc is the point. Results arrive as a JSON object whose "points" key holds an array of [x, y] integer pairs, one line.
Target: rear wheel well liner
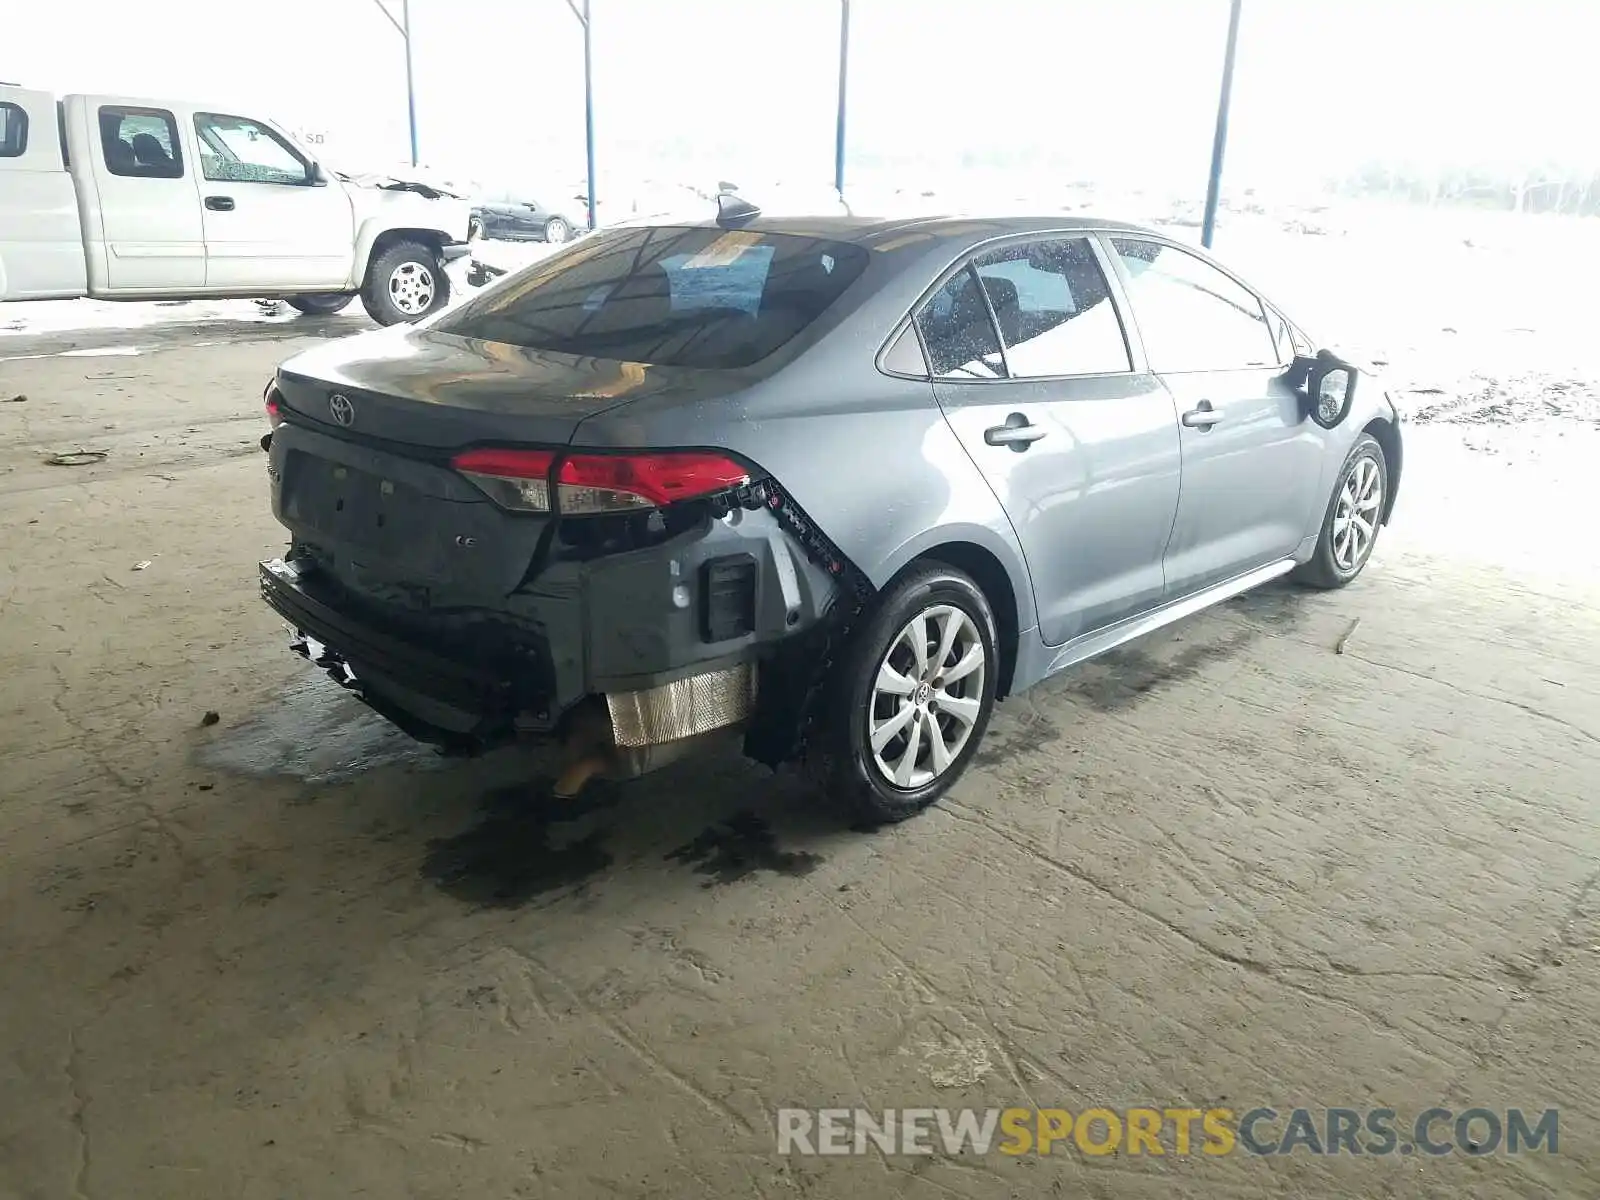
{"points": [[990, 575]]}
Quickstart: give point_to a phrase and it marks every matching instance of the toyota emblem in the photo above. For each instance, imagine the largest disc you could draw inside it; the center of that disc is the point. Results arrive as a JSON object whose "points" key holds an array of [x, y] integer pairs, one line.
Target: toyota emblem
{"points": [[343, 411]]}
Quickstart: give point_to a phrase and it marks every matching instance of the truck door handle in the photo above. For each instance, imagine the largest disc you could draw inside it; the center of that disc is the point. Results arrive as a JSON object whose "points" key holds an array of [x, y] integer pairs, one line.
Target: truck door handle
{"points": [[1203, 417], [1017, 432], [219, 203]]}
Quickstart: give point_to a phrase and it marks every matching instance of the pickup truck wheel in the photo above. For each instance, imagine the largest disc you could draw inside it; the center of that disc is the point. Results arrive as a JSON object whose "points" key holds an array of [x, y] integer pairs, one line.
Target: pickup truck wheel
{"points": [[910, 698], [404, 283], [322, 304], [556, 230]]}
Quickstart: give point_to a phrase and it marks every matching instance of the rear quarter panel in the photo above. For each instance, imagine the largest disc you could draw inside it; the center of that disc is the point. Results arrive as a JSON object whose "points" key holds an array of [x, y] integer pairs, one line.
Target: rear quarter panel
{"points": [[869, 457]]}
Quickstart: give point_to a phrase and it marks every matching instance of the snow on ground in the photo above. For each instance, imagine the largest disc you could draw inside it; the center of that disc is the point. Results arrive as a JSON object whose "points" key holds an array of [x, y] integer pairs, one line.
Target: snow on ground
{"points": [[57, 316]]}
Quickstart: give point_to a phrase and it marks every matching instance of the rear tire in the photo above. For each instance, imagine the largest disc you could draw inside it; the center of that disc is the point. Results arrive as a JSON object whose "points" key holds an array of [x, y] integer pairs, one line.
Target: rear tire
{"points": [[898, 729], [556, 230], [475, 230], [1352, 521], [321, 304], [404, 283]]}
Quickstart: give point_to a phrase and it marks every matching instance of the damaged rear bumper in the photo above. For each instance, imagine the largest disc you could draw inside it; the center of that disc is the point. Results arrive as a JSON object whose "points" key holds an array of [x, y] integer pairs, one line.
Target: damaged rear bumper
{"points": [[479, 696], [649, 653], [455, 700]]}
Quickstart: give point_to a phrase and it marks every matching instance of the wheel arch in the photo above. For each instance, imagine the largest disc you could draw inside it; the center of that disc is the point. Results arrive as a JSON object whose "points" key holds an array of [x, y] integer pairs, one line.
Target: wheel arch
{"points": [[990, 574], [374, 241], [1383, 431]]}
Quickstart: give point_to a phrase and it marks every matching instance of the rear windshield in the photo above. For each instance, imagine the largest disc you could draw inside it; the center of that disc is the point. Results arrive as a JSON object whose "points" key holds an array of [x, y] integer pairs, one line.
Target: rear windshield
{"points": [[683, 297]]}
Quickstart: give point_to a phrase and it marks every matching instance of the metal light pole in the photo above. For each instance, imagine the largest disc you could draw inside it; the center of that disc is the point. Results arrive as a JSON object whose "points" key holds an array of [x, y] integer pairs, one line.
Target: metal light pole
{"points": [[588, 95], [1220, 142], [844, 79], [403, 28], [411, 93]]}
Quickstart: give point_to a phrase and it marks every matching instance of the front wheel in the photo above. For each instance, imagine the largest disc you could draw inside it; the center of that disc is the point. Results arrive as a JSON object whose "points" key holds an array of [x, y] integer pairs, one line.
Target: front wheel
{"points": [[475, 230], [1350, 525], [910, 699], [556, 230], [404, 283], [321, 304]]}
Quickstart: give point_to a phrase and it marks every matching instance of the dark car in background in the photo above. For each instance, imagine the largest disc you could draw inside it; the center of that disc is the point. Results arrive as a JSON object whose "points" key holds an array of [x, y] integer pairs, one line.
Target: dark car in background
{"points": [[508, 217]]}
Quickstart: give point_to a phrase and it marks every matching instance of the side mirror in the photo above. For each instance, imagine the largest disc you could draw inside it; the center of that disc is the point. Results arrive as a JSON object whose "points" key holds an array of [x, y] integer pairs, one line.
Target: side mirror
{"points": [[1329, 386], [317, 177]]}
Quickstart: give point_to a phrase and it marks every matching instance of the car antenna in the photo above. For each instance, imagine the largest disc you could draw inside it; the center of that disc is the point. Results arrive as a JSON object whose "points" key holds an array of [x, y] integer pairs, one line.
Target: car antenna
{"points": [[733, 209]]}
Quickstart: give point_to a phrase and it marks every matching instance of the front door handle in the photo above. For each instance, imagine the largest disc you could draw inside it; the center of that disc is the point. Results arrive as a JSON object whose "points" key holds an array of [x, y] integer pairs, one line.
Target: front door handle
{"points": [[1017, 432], [1203, 417], [219, 203]]}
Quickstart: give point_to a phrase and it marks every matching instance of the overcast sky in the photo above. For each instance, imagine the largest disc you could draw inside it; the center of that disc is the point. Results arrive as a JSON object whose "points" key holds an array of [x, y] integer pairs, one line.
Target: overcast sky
{"points": [[1124, 87]]}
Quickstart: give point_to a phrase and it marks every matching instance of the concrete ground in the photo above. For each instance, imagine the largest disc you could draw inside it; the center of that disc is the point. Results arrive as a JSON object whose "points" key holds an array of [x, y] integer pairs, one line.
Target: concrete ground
{"points": [[289, 954]]}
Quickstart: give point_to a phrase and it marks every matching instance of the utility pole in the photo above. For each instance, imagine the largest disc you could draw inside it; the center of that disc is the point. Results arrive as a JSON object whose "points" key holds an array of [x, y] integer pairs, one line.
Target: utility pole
{"points": [[588, 95], [411, 91], [844, 79], [403, 28], [1220, 143]]}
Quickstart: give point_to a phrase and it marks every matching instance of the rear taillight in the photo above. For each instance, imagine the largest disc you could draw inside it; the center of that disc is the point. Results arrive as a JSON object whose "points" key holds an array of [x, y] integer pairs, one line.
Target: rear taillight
{"points": [[589, 484], [518, 479], [273, 400]]}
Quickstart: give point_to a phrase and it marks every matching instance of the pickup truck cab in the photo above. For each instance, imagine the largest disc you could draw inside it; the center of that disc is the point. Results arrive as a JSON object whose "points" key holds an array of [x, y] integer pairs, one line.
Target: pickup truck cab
{"points": [[127, 199]]}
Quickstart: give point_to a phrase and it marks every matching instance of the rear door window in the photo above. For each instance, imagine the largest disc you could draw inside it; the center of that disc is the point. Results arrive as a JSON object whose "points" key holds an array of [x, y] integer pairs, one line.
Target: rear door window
{"points": [[1191, 316], [13, 130], [668, 295], [1054, 309], [959, 331], [140, 142]]}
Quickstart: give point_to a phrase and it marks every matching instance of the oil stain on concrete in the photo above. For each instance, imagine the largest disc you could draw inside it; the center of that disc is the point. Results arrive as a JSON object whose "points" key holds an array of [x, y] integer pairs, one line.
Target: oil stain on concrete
{"points": [[516, 853], [738, 848], [314, 731]]}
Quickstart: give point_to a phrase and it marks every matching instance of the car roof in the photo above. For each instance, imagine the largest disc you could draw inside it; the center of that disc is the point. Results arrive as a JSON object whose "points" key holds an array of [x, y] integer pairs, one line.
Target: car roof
{"points": [[883, 233]]}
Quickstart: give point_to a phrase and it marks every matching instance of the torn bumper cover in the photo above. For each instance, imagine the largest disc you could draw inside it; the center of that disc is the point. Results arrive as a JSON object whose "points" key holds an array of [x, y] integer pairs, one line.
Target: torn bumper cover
{"points": [[485, 689], [457, 697], [667, 644]]}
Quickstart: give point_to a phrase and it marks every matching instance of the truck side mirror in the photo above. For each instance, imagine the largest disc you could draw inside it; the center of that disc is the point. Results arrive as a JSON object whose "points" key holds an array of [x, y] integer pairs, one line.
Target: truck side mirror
{"points": [[1328, 384], [317, 176]]}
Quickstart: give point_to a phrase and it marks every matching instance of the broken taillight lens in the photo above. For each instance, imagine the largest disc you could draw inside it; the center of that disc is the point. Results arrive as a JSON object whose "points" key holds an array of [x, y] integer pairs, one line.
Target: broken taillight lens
{"points": [[589, 484]]}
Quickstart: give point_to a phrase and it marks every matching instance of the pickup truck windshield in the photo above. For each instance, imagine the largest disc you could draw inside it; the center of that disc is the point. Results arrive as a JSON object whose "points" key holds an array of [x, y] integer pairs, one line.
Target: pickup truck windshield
{"points": [[671, 296]]}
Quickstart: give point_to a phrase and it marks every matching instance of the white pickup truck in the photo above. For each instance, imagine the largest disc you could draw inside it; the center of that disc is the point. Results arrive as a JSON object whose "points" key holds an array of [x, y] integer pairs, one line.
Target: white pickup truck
{"points": [[126, 199]]}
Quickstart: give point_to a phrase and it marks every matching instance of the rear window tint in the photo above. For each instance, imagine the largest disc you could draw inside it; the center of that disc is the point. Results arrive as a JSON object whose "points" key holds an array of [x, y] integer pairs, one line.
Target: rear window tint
{"points": [[671, 296]]}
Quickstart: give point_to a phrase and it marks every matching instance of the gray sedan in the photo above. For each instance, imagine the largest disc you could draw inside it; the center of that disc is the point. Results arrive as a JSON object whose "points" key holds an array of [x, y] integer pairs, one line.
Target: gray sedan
{"points": [[833, 487]]}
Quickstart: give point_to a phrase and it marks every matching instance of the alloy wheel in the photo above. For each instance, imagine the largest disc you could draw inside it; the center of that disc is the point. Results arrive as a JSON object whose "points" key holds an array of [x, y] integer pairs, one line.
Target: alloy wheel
{"points": [[1355, 516], [411, 288], [927, 696]]}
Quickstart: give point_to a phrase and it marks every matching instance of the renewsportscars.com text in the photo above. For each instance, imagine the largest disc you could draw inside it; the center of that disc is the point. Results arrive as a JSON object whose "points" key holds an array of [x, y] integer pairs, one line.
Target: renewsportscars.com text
{"points": [[1264, 1130]]}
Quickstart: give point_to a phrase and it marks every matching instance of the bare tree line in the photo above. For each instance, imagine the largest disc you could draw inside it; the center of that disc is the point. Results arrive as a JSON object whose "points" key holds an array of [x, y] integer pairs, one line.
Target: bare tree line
{"points": [[1534, 188]]}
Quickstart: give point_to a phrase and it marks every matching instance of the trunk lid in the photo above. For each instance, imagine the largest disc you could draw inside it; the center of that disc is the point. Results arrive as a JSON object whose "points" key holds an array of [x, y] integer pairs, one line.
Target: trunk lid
{"points": [[361, 465], [439, 392]]}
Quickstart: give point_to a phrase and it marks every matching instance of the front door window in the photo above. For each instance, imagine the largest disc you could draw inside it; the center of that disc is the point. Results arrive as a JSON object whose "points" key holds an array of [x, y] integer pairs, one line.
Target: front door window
{"points": [[239, 150]]}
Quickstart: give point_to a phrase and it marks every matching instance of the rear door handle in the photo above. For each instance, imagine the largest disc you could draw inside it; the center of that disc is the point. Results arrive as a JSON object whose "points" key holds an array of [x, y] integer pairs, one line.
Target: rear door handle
{"points": [[1017, 432], [1203, 417], [219, 203]]}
